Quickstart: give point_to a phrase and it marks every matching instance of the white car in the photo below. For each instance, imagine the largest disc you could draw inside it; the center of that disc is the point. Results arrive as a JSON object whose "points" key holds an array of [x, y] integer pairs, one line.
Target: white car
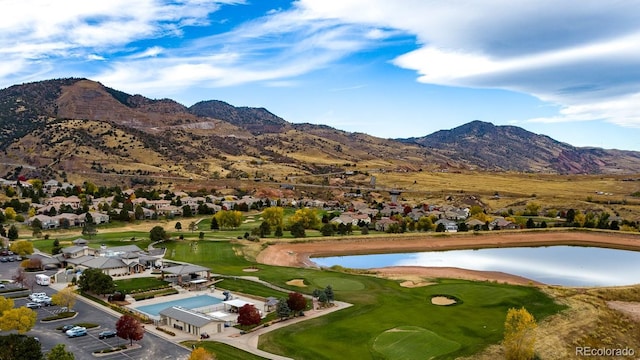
{"points": [[34, 296], [77, 331]]}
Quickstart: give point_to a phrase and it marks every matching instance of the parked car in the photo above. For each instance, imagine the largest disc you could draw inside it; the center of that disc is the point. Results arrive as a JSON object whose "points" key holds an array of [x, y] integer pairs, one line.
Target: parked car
{"points": [[3, 259], [34, 296], [107, 334], [45, 301], [33, 305], [67, 327], [2, 286], [76, 331]]}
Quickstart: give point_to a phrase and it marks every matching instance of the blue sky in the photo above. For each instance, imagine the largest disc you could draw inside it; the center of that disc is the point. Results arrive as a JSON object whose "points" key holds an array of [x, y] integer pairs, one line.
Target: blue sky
{"points": [[569, 69]]}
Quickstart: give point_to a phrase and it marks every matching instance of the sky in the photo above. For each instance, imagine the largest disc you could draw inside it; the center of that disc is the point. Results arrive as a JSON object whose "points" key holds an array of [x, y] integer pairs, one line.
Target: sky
{"points": [[393, 69]]}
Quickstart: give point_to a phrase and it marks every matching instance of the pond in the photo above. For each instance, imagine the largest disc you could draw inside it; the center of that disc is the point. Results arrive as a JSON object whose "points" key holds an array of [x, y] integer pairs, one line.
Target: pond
{"points": [[557, 265]]}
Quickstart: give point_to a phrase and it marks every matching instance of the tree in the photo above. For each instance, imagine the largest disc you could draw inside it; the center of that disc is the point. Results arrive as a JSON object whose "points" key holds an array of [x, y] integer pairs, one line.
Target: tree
{"points": [[129, 328], [264, 229], [282, 309], [95, 281], [274, 216], [328, 291], [297, 302], [22, 247], [186, 211], [200, 354], [308, 218], [424, 224], [6, 304], [12, 234], [65, 297], [248, 315], [519, 337], [532, 208], [14, 346], [158, 233], [10, 213], [36, 224], [138, 212], [440, 228], [32, 264], [229, 218], [56, 249], [59, 352], [178, 226], [327, 230], [193, 226], [297, 230], [530, 224], [20, 276], [21, 319], [214, 224], [278, 233], [89, 228], [571, 215]]}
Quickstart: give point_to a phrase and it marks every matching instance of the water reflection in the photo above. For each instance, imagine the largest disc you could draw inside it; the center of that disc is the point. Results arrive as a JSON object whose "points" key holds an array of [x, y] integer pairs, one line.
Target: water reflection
{"points": [[562, 265]]}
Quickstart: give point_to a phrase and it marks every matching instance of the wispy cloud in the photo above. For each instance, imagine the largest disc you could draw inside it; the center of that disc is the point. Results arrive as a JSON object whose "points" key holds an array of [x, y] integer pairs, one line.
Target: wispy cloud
{"points": [[580, 55]]}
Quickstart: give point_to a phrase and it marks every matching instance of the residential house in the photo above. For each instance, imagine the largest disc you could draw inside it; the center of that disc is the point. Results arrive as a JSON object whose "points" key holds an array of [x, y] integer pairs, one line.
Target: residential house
{"points": [[384, 223], [449, 225], [72, 201]]}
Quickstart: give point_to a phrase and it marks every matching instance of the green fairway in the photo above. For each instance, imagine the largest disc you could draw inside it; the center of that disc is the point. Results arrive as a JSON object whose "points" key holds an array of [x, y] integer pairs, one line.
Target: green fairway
{"points": [[412, 342], [360, 331]]}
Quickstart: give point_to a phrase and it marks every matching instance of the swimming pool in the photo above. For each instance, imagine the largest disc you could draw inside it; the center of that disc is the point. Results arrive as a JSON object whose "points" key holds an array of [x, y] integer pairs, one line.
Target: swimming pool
{"points": [[188, 303]]}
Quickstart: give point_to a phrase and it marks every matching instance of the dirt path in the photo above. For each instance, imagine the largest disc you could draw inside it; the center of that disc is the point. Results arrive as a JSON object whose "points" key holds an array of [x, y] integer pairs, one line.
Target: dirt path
{"points": [[297, 255]]}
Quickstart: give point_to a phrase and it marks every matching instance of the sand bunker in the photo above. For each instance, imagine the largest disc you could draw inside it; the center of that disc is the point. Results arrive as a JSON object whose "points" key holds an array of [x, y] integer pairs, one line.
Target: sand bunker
{"points": [[414, 284], [296, 282], [442, 301]]}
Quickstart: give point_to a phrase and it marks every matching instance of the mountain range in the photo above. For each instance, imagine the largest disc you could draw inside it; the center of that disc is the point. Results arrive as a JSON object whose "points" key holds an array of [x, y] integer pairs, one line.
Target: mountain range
{"points": [[77, 125]]}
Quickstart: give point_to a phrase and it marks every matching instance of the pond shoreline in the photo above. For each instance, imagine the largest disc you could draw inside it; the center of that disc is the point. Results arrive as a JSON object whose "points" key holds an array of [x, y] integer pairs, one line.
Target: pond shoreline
{"points": [[299, 254]]}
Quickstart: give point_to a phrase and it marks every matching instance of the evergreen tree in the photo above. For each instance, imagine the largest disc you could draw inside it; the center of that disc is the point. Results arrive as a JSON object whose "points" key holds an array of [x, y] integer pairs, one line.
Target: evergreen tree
{"points": [[12, 234], [282, 309]]}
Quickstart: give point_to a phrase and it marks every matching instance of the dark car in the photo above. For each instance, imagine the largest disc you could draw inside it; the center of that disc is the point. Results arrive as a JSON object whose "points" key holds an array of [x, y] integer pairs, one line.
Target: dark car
{"points": [[67, 327], [107, 334]]}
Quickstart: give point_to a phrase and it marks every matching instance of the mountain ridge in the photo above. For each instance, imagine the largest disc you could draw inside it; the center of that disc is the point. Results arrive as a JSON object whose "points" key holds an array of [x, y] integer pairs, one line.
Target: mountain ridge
{"points": [[78, 124]]}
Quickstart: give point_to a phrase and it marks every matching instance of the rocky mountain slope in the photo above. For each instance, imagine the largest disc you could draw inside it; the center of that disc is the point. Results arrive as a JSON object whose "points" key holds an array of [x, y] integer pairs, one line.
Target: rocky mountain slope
{"points": [[80, 126]]}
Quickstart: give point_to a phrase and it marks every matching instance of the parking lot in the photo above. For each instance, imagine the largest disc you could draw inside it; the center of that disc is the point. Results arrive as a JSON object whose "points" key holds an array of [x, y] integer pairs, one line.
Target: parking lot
{"points": [[152, 346]]}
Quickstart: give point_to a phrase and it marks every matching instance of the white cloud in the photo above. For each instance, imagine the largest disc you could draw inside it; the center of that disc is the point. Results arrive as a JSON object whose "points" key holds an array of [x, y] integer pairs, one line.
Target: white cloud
{"points": [[580, 55]]}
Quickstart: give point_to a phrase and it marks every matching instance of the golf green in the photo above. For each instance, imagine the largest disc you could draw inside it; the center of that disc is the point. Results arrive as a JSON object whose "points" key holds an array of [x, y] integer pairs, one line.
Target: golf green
{"points": [[412, 342]]}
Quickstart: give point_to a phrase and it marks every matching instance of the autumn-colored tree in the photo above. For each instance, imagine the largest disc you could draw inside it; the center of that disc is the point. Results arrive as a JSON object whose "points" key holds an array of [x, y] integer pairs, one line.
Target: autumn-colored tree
{"points": [[129, 328], [5, 304], [10, 213], [307, 217], [274, 216], [20, 319], [22, 247], [229, 218], [248, 315], [200, 354], [65, 297], [519, 336], [297, 302]]}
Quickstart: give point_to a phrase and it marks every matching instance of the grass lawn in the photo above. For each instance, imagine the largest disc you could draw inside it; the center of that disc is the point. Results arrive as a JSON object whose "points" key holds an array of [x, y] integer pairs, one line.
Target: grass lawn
{"points": [[249, 287], [379, 306], [223, 351], [139, 284]]}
